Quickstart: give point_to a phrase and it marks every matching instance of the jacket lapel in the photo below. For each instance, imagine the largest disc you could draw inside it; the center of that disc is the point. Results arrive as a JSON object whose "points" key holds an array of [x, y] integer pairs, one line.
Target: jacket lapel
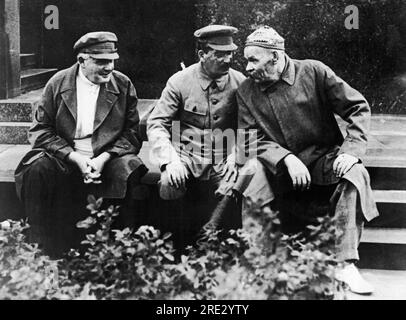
{"points": [[68, 91], [108, 96]]}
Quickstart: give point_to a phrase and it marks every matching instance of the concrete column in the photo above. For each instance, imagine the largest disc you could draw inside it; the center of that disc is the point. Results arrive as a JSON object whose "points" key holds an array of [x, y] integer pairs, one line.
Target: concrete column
{"points": [[10, 82]]}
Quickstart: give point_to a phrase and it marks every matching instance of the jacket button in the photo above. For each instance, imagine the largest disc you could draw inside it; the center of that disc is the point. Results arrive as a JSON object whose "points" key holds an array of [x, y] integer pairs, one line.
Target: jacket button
{"points": [[214, 101], [216, 117]]}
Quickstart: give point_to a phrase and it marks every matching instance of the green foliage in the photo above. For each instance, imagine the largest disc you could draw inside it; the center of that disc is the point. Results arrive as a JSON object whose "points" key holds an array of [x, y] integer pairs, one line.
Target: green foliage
{"points": [[371, 59], [257, 262]]}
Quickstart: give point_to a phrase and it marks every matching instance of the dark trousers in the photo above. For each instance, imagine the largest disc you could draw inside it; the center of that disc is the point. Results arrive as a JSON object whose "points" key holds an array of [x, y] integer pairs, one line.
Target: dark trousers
{"points": [[55, 199], [195, 206]]}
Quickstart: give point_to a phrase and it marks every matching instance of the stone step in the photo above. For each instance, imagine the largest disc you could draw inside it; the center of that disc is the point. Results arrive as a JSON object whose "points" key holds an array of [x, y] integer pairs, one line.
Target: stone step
{"points": [[18, 150], [382, 122], [28, 61], [19, 109], [383, 248], [16, 114], [390, 196], [35, 78], [392, 208], [10, 156], [387, 140], [392, 215], [382, 256], [389, 156], [14, 132], [388, 284], [384, 235], [386, 178]]}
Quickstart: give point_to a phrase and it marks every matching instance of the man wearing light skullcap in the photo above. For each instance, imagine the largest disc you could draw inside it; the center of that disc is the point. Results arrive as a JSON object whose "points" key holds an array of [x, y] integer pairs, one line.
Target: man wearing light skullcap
{"points": [[85, 140], [301, 153]]}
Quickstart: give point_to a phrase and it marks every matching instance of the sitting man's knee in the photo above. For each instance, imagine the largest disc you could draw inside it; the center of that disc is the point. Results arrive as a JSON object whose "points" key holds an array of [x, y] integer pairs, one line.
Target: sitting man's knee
{"points": [[251, 167], [167, 191], [42, 166]]}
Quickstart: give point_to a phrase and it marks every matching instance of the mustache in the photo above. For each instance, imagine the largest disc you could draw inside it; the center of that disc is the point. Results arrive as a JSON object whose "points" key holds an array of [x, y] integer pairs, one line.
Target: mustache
{"points": [[256, 74]]}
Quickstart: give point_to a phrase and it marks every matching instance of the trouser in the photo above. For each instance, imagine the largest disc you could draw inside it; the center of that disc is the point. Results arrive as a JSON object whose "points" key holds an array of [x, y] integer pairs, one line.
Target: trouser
{"points": [[54, 200], [200, 202], [300, 208]]}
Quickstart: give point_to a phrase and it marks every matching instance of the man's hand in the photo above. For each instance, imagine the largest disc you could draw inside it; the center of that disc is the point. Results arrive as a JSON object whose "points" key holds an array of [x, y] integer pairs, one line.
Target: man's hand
{"points": [[95, 168], [298, 172], [343, 164], [91, 176], [177, 174], [81, 161], [97, 164], [230, 171]]}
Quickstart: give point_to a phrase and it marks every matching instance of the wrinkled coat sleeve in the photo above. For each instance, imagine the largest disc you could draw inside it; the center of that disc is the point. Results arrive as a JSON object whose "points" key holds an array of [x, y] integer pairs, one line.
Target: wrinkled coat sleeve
{"points": [[351, 106], [269, 152], [159, 125], [130, 140], [43, 132]]}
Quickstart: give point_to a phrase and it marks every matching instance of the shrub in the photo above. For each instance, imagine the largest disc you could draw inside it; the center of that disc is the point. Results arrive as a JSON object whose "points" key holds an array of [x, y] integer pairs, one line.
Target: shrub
{"points": [[119, 264], [257, 262], [26, 274]]}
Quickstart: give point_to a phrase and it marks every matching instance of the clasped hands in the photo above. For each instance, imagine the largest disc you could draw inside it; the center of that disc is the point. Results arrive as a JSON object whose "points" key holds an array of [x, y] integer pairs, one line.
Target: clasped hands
{"points": [[300, 175], [91, 168]]}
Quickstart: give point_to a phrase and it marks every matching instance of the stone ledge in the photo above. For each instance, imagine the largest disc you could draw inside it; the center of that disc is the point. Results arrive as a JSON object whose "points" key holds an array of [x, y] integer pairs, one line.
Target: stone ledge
{"points": [[10, 156]]}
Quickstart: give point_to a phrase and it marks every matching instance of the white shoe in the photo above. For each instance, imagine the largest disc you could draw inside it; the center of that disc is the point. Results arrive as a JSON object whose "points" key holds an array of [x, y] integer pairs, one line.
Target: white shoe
{"points": [[350, 275]]}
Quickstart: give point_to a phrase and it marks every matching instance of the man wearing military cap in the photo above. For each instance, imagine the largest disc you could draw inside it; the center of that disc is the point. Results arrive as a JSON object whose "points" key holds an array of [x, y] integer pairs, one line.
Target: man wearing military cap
{"points": [[85, 139], [301, 153], [201, 101]]}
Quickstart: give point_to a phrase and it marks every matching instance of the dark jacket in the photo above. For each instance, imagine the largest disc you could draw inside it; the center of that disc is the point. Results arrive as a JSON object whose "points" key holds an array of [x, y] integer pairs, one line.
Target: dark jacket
{"points": [[116, 128], [296, 114]]}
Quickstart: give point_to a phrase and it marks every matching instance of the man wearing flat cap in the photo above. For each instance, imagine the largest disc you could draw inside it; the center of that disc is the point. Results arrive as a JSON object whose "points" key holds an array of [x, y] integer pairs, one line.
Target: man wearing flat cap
{"points": [[187, 125], [85, 140], [301, 153]]}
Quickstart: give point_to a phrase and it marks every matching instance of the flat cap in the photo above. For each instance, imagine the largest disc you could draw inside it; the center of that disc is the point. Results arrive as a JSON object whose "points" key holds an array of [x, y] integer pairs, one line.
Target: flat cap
{"points": [[217, 37], [266, 37], [98, 45]]}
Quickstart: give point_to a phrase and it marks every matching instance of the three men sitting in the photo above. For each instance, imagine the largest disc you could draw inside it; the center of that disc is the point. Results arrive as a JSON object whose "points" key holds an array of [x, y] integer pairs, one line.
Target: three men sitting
{"points": [[86, 137]]}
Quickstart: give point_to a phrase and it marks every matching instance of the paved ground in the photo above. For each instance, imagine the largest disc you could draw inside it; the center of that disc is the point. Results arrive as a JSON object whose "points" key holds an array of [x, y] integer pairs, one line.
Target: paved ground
{"points": [[389, 285]]}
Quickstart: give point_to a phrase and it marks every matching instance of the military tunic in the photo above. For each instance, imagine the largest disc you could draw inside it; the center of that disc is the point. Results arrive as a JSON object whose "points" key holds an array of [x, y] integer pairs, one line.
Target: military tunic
{"points": [[190, 118]]}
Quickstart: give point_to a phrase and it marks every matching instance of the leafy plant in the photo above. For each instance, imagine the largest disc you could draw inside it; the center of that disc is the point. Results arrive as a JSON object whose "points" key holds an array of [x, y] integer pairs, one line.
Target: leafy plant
{"points": [[257, 262], [119, 264]]}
